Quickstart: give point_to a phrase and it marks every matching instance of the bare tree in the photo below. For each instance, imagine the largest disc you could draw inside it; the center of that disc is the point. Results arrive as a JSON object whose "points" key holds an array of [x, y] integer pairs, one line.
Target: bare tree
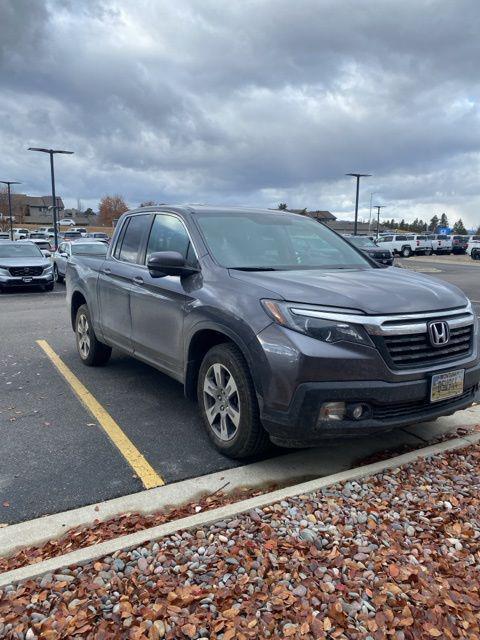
{"points": [[110, 208]]}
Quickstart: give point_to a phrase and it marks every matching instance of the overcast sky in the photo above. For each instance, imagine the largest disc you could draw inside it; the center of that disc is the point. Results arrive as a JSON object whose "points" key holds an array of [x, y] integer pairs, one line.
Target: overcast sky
{"points": [[249, 102]]}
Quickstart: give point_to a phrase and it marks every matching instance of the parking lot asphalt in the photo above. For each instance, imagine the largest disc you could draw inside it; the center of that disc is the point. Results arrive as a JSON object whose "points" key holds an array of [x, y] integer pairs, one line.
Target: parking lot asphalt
{"points": [[55, 456]]}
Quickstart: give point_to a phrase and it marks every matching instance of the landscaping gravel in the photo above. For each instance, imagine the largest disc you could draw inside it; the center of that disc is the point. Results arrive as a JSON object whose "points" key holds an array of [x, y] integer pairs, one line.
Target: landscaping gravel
{"points": [[396, 555]]}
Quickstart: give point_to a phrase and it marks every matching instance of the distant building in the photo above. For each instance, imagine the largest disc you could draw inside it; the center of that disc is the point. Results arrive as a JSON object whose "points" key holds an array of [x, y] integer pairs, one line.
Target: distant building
{"points": [[31, 209], [321, 216], [347, 226]]}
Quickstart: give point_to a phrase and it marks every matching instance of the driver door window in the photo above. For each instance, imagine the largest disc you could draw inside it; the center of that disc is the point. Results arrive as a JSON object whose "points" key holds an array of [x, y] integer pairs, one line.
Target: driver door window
{"points": [[169, 234]]}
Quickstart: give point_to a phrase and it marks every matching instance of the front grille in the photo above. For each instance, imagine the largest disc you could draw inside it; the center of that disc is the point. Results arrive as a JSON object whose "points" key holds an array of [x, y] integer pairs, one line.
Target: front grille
{"points": [[25, 271], [415, 350], [415, 408]]}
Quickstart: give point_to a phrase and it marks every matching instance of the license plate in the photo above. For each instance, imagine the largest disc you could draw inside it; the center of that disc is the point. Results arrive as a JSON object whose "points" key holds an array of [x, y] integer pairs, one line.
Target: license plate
{"points": [[447, 385], [27, 279]]}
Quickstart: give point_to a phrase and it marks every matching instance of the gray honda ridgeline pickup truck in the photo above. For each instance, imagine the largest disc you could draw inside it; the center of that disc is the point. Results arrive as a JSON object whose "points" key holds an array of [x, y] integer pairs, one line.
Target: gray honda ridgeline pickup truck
{"points": [[279, 328]]}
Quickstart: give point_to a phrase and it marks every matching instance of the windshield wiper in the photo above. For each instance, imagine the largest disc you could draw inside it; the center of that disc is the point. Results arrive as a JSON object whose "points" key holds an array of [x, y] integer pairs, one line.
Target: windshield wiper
{"points": [[254, 268]]}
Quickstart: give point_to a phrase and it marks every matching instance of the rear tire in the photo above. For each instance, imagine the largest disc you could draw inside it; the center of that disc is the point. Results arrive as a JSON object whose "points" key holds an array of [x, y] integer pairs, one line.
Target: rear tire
{"points": [[56, 274], [228, 403], [406, 252], [92, 352]]}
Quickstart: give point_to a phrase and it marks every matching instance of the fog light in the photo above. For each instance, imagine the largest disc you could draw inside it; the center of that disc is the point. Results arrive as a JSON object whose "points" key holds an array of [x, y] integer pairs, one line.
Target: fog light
{"points": [[357, 412], [332, 411]]}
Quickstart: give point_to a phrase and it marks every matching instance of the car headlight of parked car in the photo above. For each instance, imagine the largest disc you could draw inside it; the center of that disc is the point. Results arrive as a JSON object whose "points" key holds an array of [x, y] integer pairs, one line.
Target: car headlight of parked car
{"points": [[48, 269], [309, 321]]}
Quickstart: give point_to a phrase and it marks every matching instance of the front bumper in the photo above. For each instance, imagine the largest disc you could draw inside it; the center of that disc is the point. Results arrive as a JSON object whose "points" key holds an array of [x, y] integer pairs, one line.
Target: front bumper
{"points": [[298, 374], [392, 405], [34, 281]]}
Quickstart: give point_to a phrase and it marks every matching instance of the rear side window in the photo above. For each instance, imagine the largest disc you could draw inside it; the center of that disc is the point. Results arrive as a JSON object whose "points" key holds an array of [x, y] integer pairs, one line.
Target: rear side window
{"points": [[400, 237], [132, 238], [421, 237]]}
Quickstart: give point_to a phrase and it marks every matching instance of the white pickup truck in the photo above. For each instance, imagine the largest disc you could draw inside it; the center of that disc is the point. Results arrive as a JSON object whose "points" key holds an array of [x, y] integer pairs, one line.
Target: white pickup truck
{"points": [[399, 244], [473, 247], [441, 243]]}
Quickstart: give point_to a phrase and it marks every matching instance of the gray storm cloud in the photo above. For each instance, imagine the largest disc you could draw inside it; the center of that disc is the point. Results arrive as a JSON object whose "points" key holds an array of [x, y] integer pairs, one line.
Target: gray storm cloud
{"points": [[250, 102]]}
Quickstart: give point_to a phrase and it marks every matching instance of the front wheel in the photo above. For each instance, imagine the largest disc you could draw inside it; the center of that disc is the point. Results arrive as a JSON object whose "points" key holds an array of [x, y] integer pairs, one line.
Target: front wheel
{"points": [[406, 252], [228, 403], [49, 287], [92, 352]]}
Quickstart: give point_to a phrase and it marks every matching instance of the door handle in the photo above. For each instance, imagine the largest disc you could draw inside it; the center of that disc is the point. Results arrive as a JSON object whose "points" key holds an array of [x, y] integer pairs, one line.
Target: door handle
{"points": [[138, 280], [107, 271]]}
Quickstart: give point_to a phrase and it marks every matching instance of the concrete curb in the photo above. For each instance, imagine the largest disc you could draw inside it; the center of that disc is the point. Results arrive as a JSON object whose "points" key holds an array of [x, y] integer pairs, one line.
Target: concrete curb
{"points": [[82, 556], [288, 469]]}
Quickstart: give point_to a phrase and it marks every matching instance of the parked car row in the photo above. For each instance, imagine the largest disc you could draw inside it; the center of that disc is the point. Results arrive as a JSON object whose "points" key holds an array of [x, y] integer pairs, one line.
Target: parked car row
{"points": [[407, 244], [31, 262], [48, 234]]}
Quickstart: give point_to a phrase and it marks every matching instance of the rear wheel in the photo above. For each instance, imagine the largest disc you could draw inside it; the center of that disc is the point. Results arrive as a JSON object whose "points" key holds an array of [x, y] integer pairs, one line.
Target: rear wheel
{"points": [[56, 274], [406, 252], [228, 403], [92, 352]]}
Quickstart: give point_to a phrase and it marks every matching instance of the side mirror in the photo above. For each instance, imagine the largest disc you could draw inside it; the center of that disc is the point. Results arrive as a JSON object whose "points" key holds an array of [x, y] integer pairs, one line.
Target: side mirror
{"points": [[168, 263]]}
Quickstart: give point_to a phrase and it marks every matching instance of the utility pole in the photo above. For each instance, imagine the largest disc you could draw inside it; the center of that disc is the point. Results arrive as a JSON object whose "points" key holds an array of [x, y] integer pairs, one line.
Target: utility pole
{"points": [[9, 183], [357, 176], [51, 153], [370, 216], [378, 207]]}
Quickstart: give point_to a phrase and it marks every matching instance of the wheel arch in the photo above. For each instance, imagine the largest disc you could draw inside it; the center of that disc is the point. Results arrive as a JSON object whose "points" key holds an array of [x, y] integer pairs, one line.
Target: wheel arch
{"points": [[200, 342], [77, 300]]}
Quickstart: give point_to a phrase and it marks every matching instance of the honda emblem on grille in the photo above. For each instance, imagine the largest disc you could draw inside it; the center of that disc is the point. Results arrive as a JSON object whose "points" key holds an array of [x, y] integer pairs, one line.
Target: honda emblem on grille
{"points": [[439, 333]]}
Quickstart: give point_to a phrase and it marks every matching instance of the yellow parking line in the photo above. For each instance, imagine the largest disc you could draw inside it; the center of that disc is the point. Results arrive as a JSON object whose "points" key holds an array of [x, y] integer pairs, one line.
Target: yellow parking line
{"points": [[132, 455]]}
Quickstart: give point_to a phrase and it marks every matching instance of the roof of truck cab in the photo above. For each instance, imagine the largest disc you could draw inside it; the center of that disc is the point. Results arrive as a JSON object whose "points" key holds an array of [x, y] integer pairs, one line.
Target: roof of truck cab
{"points": [[208, 209]]}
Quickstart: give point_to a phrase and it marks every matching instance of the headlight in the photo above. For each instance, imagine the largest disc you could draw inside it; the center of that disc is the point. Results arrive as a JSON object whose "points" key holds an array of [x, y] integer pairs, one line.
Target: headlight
{"points": [[4, 272], [47, 269], [296, 316]]}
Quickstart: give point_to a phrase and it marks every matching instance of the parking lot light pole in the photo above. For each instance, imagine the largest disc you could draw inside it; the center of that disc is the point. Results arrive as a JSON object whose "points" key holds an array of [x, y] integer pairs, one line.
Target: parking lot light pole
{"points": [[357, 176], [51, 152], [9, 183], [378, 207]]}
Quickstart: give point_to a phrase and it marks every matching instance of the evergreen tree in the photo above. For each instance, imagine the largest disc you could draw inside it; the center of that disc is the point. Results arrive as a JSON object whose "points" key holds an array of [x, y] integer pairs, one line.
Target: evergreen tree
{"points": [[433, 223], [444, 220], [459, 228], [282, 206]]}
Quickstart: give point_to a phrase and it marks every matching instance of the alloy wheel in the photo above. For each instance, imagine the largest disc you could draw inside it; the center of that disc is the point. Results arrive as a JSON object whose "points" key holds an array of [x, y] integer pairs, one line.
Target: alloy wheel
{"points": [[83, 336], [222, 401]]}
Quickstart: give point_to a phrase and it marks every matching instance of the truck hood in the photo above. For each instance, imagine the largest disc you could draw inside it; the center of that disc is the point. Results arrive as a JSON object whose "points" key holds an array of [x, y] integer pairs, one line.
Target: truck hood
{"points": [[24, 262], [373, 291]]}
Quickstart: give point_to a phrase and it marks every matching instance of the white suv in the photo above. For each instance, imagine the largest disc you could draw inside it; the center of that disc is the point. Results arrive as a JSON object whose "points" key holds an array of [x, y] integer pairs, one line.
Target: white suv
{"points": [[20, 234], [399, 244]]}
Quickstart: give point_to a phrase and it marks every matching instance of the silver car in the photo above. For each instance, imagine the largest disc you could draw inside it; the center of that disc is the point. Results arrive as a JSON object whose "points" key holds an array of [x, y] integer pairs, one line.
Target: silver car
{"points": [[23, 264], [66, 250]]}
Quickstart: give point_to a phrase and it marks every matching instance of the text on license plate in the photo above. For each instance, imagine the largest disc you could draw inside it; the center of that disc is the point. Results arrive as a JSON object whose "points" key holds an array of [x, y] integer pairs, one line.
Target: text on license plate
{"points": [[27, 279], [447, 385]]}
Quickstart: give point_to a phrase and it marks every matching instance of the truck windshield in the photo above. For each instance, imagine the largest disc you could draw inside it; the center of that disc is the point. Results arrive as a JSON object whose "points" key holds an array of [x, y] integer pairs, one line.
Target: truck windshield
{"points": [[17, 250], [275, 241]]}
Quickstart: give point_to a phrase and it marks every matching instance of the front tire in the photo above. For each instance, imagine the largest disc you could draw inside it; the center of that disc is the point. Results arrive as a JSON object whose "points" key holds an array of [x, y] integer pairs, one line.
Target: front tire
{"points": [[92, 352], [406, 252], [228, 403], [49, 287]]}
